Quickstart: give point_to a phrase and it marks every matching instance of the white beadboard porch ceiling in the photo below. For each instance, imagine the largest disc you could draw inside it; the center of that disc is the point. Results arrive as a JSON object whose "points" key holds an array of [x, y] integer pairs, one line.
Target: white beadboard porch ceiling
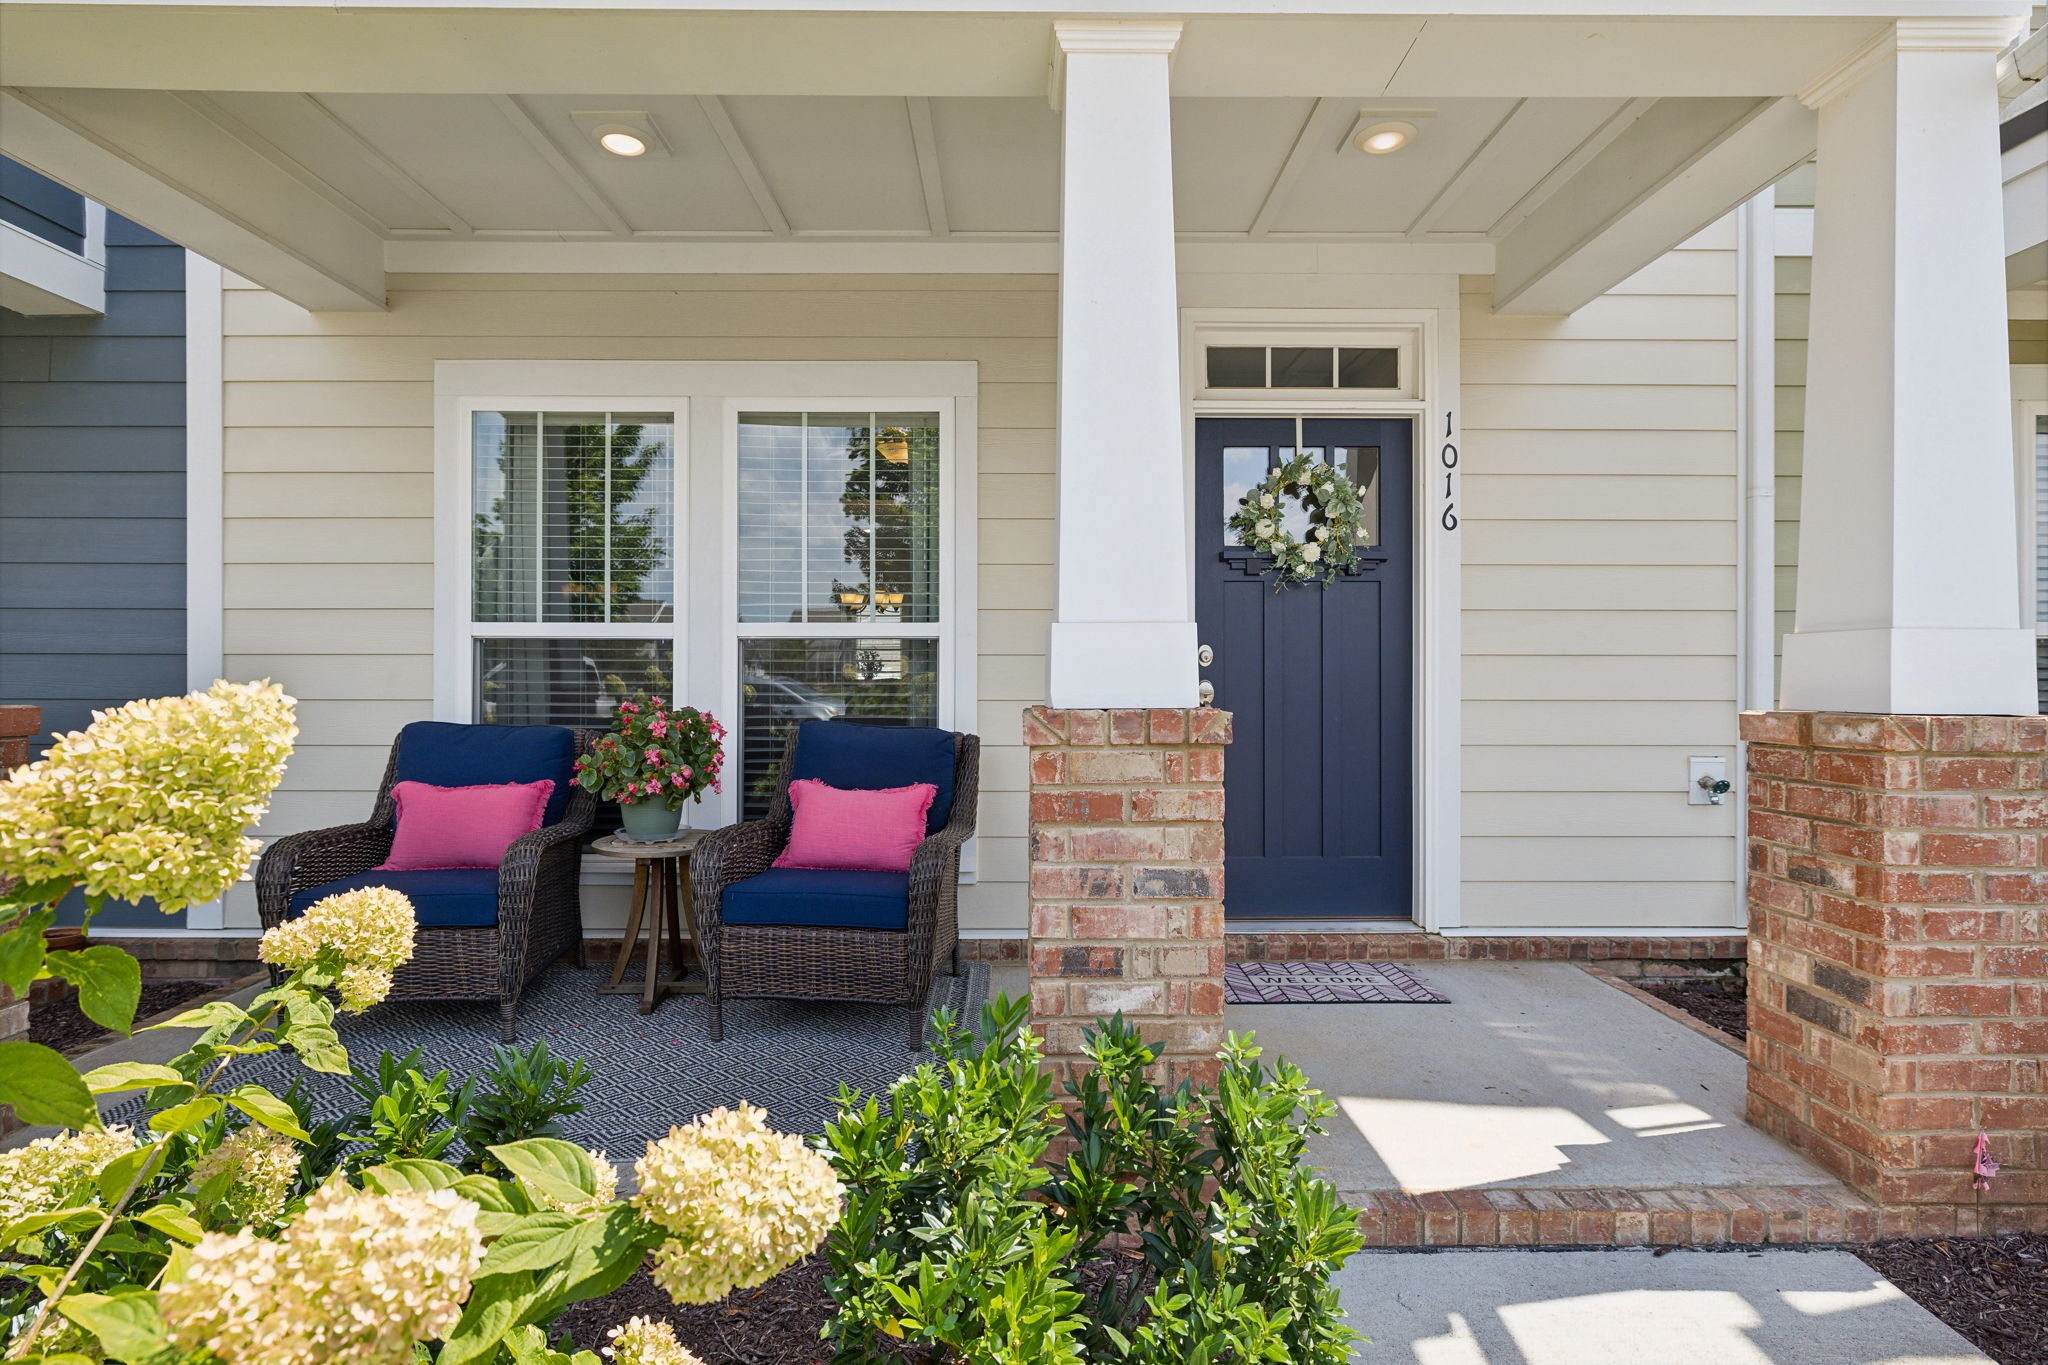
{"points": [[879, 167]]}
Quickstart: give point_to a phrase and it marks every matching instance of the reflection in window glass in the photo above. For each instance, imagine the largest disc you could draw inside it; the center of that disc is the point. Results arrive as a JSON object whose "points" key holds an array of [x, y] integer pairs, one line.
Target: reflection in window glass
{"points": [[784, 682], [1373, 367], [572, 516], [1244, 468], [1302, 367], [1362, 463], [530, 681], [838, 516], [1237, 367]]}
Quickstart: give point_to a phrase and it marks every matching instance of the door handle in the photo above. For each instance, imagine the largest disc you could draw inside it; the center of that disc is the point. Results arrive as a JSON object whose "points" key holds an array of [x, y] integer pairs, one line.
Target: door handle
{"points": [[1205, 695]]}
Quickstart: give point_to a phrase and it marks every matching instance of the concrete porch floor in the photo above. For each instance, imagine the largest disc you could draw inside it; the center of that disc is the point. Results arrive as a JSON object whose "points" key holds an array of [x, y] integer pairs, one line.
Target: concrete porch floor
{"points": [[1542, 1106], [1536, 1075]]}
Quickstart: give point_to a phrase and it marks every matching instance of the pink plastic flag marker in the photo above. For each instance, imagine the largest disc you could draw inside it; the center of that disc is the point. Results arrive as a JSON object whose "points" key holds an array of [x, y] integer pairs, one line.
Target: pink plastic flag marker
{"points": [[1986, 1165]]}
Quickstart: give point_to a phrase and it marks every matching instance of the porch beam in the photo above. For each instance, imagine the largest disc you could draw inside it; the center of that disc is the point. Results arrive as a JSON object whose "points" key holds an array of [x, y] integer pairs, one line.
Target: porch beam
{"points": [[1124, 632], [1677, 168], [1909, 531], [151, 157]]}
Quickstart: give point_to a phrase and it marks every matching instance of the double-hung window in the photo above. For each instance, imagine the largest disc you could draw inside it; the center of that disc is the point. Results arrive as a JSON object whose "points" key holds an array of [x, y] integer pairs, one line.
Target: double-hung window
{"points": [[772, 542], [840, 600]]}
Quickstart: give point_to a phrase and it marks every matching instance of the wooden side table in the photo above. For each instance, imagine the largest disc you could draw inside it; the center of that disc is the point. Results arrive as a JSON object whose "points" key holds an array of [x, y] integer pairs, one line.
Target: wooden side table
{"points": [[661, 895]]}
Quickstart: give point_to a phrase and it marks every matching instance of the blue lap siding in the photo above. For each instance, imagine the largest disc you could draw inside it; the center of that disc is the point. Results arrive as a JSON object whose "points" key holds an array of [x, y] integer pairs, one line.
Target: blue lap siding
{"points": [[92, 491]]}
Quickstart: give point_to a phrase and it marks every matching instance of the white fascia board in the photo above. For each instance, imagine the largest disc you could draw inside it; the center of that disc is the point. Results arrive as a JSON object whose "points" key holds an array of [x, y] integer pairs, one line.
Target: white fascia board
{"points": [[38, 278], [153, 158], [2026, 212], [1517, 9], [1677, 169]]}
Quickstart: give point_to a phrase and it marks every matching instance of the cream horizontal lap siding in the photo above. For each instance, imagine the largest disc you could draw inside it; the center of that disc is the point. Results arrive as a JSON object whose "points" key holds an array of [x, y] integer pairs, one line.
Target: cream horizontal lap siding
{"points": [[329, 500], [1600, 534]]}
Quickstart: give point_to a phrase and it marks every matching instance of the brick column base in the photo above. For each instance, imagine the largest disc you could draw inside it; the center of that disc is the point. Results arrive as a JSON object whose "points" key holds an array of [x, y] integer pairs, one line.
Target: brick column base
{"points": [[1898, 987], [1127, 879]]}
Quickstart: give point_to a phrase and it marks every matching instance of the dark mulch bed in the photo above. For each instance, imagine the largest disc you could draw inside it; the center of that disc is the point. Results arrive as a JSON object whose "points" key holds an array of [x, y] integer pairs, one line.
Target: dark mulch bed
{"points": [[1720, 1004], [776, 1324], [1994, 1290], [59, 1023]]}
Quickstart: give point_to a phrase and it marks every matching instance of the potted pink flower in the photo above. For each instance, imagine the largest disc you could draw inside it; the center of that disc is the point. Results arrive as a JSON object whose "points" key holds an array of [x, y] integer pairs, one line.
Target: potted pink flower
{"points": [[653, 760]]}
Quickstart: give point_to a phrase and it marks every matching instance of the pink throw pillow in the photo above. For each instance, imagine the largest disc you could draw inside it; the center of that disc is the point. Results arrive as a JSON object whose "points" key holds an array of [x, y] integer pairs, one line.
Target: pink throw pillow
{"points": [[855, 831], [443, 827]]}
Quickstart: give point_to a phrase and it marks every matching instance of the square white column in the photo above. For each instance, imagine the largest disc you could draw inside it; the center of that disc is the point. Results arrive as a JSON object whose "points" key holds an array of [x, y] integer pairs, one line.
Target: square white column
{"points": [[1908, 597], [1124, 632]]}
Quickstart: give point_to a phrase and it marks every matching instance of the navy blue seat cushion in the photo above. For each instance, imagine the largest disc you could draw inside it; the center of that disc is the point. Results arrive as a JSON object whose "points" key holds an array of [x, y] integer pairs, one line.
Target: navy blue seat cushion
{"points": [[819, 899], [862, 757], [444, 898], [442, 754]]}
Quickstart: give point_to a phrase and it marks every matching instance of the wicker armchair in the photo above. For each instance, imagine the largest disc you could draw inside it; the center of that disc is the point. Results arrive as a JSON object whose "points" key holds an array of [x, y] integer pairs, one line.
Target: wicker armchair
{"points": [[538, 912], [822, 962]]}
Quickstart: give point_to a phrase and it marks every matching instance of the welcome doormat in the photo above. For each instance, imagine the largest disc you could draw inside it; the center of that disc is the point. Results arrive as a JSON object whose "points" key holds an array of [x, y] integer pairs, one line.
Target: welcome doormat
{"points": [[1325, 983]]}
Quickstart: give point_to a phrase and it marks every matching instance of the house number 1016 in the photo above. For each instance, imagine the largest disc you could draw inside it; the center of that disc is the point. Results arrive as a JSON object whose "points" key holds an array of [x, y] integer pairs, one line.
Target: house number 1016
{"points": [[1449, 458]]}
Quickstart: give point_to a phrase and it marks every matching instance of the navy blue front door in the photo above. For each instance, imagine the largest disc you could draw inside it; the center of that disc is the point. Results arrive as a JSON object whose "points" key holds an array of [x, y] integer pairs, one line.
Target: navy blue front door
{"points": [[1318, 783]]}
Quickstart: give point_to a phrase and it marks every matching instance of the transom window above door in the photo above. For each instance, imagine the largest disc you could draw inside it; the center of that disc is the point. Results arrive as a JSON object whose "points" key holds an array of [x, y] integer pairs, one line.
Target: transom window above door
{"points": [[1376, 368]]}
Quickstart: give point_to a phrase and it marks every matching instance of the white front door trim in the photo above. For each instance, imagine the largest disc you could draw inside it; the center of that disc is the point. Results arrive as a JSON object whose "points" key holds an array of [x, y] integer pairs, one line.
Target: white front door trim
{"points": [[1430, 383]]}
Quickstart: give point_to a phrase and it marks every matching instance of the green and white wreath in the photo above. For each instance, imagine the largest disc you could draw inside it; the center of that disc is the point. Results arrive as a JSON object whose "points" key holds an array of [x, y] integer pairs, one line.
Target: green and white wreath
{"points": [[1329, 543]]}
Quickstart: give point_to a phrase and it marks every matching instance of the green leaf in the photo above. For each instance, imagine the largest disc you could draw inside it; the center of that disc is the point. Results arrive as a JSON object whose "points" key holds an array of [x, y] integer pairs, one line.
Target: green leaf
{"points": [[109, 983], [267, 1109], [117, 1076], [190, 1114], [44, 1088], [536, 1242], [129, 1324], [35, 893], [494, 1308], [560, 1171], [212, 1014], [409, 1174], [319, 1048], [490, 1195], [28, 1225], [21, 951], [129, 1168], [172, 1221]]}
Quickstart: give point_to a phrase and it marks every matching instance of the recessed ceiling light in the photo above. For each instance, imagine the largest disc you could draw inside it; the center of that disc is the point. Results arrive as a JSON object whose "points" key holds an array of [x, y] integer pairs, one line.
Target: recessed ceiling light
{"points": [[1380, 138], [621, 143]]}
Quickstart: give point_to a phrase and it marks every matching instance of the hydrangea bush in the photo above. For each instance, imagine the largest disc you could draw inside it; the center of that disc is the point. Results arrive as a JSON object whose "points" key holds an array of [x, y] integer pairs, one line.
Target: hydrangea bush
{"points": [[224, 1232]]}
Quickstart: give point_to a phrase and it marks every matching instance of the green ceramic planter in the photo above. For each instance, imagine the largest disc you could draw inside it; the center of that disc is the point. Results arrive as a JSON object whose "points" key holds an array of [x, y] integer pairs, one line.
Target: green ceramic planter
{"points": [[650, 821]]}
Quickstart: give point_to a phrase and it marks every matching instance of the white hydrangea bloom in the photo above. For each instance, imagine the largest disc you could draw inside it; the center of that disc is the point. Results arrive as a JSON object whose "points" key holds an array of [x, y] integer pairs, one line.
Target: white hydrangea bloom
{"points": [[356, 1280], [34, 1177], [738, 1200], [371, 928], [263, 1165], [153, 799], [644, 1341]]}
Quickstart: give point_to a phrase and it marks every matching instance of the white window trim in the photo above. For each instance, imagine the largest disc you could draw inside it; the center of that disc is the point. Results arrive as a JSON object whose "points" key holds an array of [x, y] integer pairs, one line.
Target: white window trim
{"points": [[706, 397], [1429, 341]]}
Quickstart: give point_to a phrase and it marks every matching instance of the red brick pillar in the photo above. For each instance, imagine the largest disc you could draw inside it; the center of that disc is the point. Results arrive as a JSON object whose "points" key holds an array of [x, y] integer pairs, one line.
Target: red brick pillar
{"points": [[1898, 988], [18, 726], [1127, 878]]}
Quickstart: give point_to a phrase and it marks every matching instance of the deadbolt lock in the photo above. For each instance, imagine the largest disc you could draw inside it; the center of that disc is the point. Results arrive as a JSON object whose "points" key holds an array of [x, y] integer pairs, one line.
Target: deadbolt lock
{"points": [[1204, 655]]}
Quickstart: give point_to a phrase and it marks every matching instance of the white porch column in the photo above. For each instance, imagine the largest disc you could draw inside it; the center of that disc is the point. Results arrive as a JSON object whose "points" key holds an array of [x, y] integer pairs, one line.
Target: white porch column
{"points": [[1908, 567], [1124, 633]]}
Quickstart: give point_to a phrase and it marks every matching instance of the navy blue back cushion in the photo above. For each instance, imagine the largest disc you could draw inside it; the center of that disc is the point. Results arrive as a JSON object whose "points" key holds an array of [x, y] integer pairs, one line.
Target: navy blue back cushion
{"points": [[848, 754], [442, 754]]}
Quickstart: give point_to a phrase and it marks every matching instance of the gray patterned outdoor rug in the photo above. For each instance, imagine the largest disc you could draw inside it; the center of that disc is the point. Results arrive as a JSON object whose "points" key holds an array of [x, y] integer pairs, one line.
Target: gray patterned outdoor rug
{"points": [[649, 1072], [1326, 983]]}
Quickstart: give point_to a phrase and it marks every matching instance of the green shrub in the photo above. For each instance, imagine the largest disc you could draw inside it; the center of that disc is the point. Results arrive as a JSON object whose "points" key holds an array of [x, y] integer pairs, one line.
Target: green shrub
{"points": [[523, 1095], [1189, 1213]]}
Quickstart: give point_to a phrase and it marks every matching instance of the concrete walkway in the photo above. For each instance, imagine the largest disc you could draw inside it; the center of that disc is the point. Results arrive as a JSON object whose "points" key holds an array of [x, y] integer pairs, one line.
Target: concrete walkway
{"points": [[1535, 1076], [1635, 1308]]}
